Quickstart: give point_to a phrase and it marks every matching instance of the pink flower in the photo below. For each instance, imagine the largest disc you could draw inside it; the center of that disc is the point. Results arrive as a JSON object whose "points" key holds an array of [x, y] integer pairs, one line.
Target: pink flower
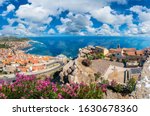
{"points": [[113, 83], [3, 96], [38, 88], [31, 91], [104, 88], [0, 87], [60, 96], [54, 87]]}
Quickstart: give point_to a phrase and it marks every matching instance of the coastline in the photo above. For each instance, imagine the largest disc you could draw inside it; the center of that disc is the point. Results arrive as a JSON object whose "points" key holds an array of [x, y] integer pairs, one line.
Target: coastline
{"points": [[70, 45], [75, 71], [15, 60]]}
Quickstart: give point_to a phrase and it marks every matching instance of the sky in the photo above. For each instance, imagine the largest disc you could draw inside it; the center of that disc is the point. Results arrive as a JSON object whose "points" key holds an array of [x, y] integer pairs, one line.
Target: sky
{"points": [[75, 17]]}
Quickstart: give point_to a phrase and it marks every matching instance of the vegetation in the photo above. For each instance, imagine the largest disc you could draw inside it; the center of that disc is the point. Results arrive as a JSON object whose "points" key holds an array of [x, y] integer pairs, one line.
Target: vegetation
{"points": [[96, 56], [119, 88], [124, 61], [124, 89], [100, 56], [131, 84], [6, 39], [90, 57], [4, 46], [97, 76], [86, 62], [30, 87], [105, 82]]}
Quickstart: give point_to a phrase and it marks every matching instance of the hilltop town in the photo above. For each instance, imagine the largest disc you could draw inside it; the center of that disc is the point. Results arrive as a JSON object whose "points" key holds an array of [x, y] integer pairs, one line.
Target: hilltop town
{"points": [[100, 65], [14, 60], [117, 64]]}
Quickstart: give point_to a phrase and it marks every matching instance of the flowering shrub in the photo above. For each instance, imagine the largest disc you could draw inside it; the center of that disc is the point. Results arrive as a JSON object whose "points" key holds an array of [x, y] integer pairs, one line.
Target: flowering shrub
{"points": [[29, 87], [124, 89]]}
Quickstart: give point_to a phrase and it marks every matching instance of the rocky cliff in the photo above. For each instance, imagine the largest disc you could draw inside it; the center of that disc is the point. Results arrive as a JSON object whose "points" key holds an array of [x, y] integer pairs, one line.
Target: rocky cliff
{"points": [[143, 86], [76, 72]]}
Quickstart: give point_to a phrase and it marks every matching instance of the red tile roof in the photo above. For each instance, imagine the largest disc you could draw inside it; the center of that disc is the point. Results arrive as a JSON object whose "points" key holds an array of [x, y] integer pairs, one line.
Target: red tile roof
{"points": [[131, 53], [140, 52], [129, 49]]}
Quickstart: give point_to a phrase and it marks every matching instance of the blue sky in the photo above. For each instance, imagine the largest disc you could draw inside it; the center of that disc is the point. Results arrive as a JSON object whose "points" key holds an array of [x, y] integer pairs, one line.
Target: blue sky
{"points": [[75, 17]]}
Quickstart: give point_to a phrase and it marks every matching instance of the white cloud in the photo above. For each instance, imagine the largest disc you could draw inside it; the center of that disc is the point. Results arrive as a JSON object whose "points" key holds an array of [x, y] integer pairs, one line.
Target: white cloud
{"points": [[139, 9], [10, 8], [33, 14], [51, 31], [106, 30], [74, 24], [36, 16], [91, 30], [76, 6], [132, 30], [71, 5], [24, 28], [20, 30], [2, 1], [139, 29], [109, 16], [81, 25], [143, 26], [143, 12]]}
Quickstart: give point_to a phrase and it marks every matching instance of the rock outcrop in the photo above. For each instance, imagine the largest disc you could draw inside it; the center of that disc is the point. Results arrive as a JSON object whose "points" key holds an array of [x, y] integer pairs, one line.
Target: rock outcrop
{"points": [[143, 86], [76, 72]]}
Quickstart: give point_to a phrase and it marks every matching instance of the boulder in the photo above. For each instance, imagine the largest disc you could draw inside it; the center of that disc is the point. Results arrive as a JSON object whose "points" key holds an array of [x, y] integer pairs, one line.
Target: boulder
{"points": [[71, 78], [61, 74], [74, 72], [69, 70], [72, 67], [65, 73]]}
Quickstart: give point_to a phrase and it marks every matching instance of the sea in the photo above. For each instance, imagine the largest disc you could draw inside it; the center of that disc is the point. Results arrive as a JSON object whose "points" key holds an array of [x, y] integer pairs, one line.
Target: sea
{"points": [[69, 45]]}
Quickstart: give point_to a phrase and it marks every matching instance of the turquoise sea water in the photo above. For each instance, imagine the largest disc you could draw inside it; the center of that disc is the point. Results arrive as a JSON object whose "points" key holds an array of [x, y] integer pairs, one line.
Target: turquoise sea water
{"points": [[69, 45]]}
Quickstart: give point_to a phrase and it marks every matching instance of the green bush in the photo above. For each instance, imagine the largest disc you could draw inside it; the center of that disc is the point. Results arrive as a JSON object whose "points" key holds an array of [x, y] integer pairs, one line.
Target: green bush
{"points": [[105, 82], [100, 56], [124, 89], [119, 88], [90, 57], [131, 84]]}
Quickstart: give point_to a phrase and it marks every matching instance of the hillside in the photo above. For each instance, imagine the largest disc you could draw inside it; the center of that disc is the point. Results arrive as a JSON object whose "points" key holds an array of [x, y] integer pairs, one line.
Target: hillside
{"points": [[3, 39]]}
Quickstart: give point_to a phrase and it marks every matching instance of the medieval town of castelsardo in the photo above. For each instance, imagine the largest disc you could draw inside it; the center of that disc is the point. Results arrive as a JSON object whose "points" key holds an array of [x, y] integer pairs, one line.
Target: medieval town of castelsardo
{"points": [[77, 49]]}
